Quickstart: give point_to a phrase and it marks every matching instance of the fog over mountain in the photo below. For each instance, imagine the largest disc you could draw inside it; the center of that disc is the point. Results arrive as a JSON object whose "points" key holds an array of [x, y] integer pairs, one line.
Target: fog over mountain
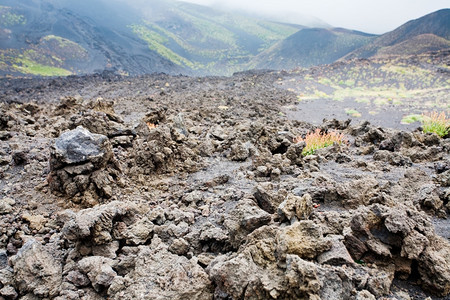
{"points": [[64, 37], [368, 16]]}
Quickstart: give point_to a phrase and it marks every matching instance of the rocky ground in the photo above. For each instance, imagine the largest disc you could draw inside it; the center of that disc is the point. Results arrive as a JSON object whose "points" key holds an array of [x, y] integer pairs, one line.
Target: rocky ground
{"points": [[164, 187]]}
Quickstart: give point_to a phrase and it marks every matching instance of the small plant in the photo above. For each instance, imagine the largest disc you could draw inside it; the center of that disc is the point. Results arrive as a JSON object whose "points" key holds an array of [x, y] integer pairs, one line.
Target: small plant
{"points": [[353, 113], [318, 140], [437, 123], [409, 119]]}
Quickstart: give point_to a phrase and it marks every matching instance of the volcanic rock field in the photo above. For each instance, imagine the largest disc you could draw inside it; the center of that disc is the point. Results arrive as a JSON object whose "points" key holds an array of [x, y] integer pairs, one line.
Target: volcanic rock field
{"points": [[175, 187]]}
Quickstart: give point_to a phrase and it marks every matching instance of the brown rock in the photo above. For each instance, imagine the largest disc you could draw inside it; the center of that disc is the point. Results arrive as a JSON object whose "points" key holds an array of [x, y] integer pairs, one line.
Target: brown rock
{"points": [[6, 205], [356, 247], [268, 197], [37, 222], [296, 208], [304, 239], [77, 278], [413, 245], [379, 248], [36, 271], [179, 246], [337, 255], [159, 272], [9, 292], [99, 271]]}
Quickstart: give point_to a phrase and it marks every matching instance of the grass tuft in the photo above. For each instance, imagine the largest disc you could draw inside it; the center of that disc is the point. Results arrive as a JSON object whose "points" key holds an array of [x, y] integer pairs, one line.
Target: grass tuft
{"points": [[437, 123], [353, 113], [409, 119], [318, 140]]}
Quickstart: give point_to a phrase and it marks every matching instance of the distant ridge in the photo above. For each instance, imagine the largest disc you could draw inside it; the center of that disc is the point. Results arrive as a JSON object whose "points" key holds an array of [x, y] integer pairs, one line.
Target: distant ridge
{"points": [[93, 35], [65, 37], [404, 38], [312, 46]]}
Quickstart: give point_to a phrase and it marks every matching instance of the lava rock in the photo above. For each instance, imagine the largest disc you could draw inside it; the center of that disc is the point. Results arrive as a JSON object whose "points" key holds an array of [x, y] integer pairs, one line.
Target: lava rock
{"points": [[296, 208], [79, 162], [80, 146], [36, 271], [337, 255], [159, 272], [303, 238], [99, 271]]}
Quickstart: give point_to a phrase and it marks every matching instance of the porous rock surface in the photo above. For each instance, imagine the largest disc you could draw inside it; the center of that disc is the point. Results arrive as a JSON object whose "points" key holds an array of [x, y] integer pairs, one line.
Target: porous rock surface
{"points": [[82, 162], [197, 191]]}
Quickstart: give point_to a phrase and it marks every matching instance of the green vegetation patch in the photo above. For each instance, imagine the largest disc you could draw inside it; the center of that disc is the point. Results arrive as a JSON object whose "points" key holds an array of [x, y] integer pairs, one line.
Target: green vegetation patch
{"points": [[210, 30], [436, 123], [222, 43], [62, 49], [409, 119], [381, 101], [362, 100], [318, 140], [60, 41], [8, 18], [156, 43], [27, 66], [353, 113]]}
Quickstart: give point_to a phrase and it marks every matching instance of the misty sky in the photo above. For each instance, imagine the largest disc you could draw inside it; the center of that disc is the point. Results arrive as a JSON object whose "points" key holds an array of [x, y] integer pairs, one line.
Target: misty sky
{"points": [[372, 16]]}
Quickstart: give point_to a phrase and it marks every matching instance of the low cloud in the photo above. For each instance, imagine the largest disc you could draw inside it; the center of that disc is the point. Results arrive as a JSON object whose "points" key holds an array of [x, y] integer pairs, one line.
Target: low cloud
{"points": [[370, 16]]}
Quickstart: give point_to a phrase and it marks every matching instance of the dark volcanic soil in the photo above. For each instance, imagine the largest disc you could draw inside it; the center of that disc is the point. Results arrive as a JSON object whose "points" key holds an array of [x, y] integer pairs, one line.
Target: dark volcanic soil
{"points": [[162, 187]]}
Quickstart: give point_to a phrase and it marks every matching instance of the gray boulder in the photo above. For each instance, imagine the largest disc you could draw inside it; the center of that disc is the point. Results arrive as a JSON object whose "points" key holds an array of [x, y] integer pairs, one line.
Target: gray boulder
{"points": [[296, 208], [82, 163], [159, 274], [99, 271], [36, 271], [96, 224], [80, 146]]}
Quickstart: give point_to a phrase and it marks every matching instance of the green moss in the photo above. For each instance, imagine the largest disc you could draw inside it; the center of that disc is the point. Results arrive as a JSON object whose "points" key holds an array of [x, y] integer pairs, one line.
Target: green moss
{"points": [[362, 100], [353, 113], [156, 43], [8, 19], [381, 101], [409, 119], [27, 66], [210, 30]]}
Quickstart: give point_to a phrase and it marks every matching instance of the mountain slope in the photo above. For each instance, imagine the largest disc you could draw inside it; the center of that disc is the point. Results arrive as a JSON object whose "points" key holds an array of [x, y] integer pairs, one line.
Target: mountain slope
{"points": [[311, 46], [85, 43], [436, 23], [416, 45], [166, 36], [202, 38]]}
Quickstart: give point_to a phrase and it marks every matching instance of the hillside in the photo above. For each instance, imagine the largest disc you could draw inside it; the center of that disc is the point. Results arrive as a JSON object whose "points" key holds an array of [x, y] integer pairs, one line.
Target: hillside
{"points": [[55, 38], [316, 46], [63, 37], [419, 44], [311, 46], [436, 23], [204, 39], [168, 36], [391, 91]]}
